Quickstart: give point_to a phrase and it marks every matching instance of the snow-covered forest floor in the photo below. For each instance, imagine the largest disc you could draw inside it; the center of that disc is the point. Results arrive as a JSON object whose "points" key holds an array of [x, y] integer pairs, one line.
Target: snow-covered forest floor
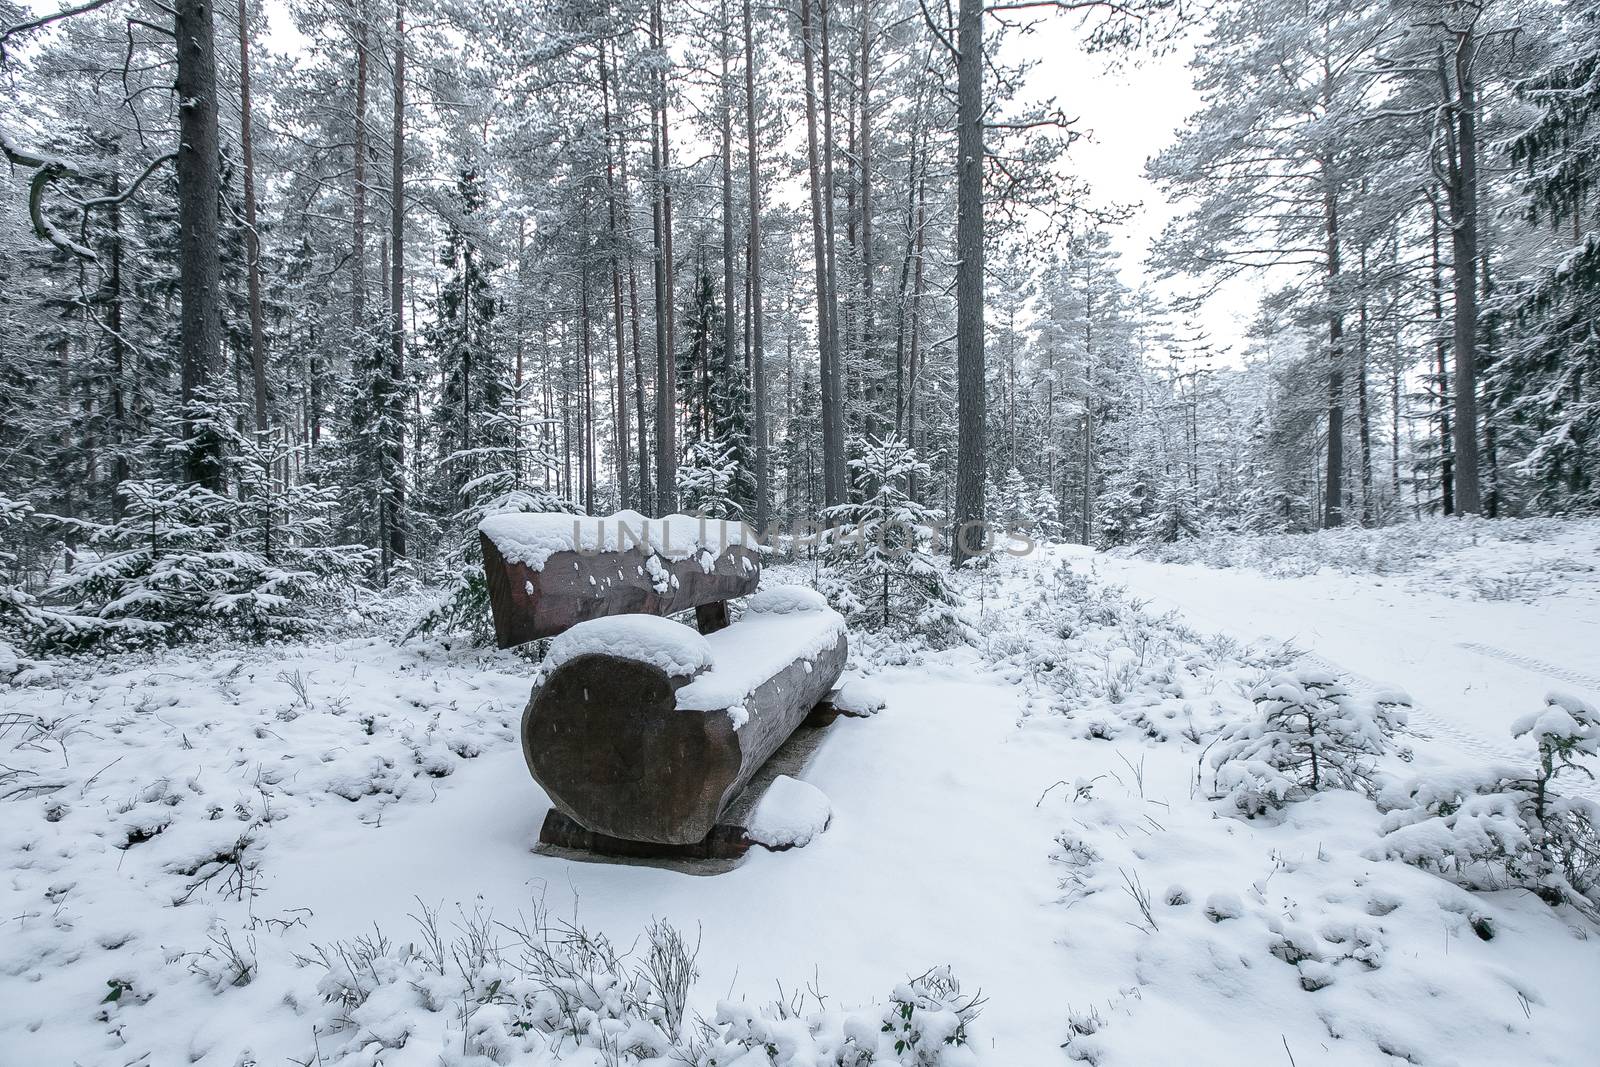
{"points": [[323, 852]]}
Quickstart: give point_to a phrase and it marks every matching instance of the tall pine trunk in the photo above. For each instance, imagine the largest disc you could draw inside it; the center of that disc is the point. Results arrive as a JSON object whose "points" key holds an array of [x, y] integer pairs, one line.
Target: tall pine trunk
{"points": [[758, 358], [666, 361], [620, 411], [199, 267], [970, 400], [394, 476], [358, 212], [730, 323], [1462, 195], [833, 444], [869, 340], [1333, 487], [1447, 482], [252, 236], [826, 333]]}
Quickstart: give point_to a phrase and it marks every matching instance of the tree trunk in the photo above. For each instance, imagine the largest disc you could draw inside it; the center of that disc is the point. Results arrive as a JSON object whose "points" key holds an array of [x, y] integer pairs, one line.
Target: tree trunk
{"points": [[1333, 501], [252, 237], [1447, 484], [620, 428], [1463, 199], [758, 358], [730, 324], [833, 444], [199, 268], [970, 399], [666, 369], [358, 237], [913, 348], [1088, 401], [1363, 406], [868, 322], [395, 488], [119, 354], [826, 333]]}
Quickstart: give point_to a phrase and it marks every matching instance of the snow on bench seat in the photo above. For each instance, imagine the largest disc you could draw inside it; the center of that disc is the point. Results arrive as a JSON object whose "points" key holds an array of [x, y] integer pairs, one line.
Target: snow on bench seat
{"points": [[642, 730], [780, 625], [670, 646], [758, 646]]}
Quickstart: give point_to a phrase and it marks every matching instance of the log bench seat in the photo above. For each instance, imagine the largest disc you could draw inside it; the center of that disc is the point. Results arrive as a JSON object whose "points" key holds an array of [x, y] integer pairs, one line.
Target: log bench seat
{"points": [[642, 729]]}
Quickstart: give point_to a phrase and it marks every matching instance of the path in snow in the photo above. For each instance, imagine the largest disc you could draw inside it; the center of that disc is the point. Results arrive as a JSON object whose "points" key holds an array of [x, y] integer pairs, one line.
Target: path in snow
{"points": [[1470, 666]]}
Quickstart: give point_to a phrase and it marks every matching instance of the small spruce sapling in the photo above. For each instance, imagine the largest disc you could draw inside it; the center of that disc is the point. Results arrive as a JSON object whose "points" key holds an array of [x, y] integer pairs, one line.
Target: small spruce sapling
{"points": [[1310, 734], [1510, 825], [883, 543]]}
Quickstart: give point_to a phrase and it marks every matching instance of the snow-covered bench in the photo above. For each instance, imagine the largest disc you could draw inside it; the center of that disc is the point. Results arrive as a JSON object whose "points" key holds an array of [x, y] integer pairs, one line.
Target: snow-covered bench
{"points": [[643, 732]]}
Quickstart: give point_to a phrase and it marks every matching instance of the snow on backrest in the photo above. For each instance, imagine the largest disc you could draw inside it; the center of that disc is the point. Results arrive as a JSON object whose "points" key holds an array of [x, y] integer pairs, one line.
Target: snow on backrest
{"points": [[531, 538]]}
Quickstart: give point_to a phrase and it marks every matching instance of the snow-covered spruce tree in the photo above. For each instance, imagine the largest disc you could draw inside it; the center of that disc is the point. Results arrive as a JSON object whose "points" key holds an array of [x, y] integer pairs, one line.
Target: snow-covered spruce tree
{"points": [[183, 560], [707, 481], [374, 408], [1309, 734], [1024, 509], [883, 544], [26, 625], [488, 463], [1541, 386], [718, 442], [1502, 826]]}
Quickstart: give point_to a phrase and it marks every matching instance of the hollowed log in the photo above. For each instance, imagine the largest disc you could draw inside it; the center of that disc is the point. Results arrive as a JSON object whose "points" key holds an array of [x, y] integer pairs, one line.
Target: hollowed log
{"points": [[606, 740]]}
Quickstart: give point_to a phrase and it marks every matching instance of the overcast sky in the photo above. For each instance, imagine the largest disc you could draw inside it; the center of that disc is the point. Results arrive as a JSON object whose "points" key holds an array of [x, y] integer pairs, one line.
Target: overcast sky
{"points": [[1129, 113]]}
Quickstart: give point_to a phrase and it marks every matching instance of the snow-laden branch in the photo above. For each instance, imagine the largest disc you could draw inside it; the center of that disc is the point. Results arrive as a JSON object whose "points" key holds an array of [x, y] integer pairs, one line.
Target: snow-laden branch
{"points": [[47, 169], [45, 20]]}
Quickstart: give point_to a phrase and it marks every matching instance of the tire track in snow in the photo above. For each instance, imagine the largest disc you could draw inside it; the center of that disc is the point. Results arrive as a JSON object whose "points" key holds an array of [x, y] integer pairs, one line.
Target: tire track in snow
{"points": [[1433, 725], [1435, 728], [1538, 666]]}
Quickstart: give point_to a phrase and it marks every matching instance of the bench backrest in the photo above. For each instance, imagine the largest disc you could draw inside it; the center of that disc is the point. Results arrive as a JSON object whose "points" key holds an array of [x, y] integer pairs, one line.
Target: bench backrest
{"points": [[547, 572]]}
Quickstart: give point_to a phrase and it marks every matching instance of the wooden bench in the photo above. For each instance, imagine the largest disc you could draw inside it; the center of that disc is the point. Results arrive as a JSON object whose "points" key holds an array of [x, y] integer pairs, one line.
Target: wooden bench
{"points": [[642, 731]]}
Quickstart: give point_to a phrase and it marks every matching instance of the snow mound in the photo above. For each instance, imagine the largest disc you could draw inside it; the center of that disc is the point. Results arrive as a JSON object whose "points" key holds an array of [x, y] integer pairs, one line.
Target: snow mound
{"points": [[859, 696], [790, 814], [670, 646], [531, 538], [786, 599]]}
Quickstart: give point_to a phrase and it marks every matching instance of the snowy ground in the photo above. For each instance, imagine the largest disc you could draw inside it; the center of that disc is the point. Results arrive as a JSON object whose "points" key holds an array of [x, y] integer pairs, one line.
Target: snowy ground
{"points": [[1472, 620], [1028, 810]]}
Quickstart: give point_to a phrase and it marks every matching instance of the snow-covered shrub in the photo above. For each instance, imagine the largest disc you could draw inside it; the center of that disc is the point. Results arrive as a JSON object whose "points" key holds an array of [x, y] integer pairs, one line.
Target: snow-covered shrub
{"points": [[883, 544], [1509, 825], [26, 624], [1309, 733], [183, 559], [537, 992]]}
